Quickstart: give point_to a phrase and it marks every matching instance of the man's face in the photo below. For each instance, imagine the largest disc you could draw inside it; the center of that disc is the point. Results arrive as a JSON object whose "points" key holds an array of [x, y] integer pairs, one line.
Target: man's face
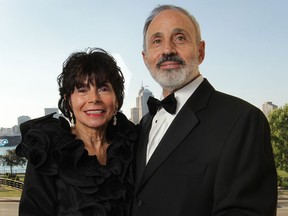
{"points": [[172, 53]]}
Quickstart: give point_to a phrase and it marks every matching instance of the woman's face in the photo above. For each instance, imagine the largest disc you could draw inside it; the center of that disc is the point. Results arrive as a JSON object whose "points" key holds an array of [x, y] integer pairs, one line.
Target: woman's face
{"points": [[93, 106]]}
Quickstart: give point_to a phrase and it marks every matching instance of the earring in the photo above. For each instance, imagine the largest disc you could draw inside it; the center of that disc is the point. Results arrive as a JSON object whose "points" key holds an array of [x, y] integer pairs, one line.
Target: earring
{"points": [[114, 120], [72, 118]]}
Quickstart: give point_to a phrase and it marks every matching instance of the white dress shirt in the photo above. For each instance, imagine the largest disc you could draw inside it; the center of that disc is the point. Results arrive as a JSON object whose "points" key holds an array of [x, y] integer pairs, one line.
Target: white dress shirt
{"points": [[163, 119]]}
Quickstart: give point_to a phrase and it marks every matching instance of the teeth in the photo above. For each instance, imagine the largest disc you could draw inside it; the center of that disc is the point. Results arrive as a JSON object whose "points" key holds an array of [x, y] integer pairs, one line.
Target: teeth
{"points": [[94, 111]]}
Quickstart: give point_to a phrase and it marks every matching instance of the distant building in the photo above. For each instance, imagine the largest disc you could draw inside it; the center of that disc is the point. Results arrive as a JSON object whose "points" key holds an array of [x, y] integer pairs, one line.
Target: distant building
{"points": [[135, 115], [22, 119], [48, 111], [10, 131], [141, 105], [16, 130], [6, 132], [141, 100], [267, 107]]}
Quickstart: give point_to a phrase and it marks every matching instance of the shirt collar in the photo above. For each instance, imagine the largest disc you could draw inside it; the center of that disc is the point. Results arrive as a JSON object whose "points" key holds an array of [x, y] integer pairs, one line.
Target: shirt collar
{"points": [[184, 93]]}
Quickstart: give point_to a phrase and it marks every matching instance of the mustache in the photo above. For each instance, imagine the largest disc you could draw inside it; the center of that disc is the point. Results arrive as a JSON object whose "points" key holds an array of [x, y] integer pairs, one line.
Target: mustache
{"points": [[170, 57]]}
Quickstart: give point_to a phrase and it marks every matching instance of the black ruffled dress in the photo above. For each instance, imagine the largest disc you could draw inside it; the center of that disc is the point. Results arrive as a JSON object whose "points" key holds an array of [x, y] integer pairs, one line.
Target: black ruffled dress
{"points": [[62, 179]]}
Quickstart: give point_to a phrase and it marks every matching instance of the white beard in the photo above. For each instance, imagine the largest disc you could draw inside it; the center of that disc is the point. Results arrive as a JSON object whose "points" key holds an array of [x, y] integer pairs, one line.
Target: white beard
{"points": [[173, 79]]}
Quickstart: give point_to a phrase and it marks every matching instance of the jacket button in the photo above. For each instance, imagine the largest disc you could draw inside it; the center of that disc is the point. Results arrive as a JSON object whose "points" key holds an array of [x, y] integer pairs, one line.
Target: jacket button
{"points": [[139, 203]]}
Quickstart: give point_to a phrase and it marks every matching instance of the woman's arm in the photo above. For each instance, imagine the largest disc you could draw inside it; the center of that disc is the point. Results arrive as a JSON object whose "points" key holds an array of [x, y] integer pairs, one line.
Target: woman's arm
{"points": [[39, 194]]}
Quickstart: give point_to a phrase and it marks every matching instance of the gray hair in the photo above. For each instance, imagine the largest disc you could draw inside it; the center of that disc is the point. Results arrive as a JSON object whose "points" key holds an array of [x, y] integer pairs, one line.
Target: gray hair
{"points": [[161, 8]]}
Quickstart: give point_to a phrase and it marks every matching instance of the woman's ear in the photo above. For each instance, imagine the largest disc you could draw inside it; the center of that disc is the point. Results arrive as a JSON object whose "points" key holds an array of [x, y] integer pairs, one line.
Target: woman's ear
{"points": [[68, 103], [116, 106]]}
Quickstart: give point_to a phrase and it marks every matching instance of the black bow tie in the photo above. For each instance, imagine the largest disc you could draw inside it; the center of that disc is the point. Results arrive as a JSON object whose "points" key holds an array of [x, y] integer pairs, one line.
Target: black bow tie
{"points": [[169, 103]]}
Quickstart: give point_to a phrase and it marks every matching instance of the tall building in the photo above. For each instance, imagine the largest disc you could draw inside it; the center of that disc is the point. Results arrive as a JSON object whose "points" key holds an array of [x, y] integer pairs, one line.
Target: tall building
{"points": [[135, 115], [267, 107], [22, 119], [141, 105], [48, 111]]}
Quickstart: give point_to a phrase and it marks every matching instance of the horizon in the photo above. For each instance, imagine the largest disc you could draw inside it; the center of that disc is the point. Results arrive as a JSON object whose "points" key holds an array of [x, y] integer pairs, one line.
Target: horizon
{"points": [[129, 117], [246, 48]]}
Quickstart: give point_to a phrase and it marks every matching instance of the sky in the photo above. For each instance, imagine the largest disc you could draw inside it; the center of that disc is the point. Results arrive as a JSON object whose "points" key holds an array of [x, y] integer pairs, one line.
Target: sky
{"points": [[246, 48]]}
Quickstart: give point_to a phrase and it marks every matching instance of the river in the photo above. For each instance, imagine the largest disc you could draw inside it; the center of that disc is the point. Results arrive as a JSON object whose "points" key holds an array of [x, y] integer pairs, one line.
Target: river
{"points": [[5, 169]]}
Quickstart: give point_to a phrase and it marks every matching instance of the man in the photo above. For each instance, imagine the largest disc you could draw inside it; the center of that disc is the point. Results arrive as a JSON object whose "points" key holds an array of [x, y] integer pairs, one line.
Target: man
{"points": [[212, 155]]}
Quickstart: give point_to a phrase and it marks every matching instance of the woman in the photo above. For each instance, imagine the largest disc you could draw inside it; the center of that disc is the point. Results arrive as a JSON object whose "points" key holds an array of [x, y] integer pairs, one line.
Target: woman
{"points": [[81, 168]]}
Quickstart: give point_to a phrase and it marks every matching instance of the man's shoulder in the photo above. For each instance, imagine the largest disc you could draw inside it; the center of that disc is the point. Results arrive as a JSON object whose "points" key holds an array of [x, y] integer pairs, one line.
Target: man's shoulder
{"points": [[231, 105], [229, 99]]}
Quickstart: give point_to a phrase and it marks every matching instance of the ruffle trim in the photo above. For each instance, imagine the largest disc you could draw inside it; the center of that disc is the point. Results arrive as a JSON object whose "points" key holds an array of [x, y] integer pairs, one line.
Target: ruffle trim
{"points": [[50, 147]]}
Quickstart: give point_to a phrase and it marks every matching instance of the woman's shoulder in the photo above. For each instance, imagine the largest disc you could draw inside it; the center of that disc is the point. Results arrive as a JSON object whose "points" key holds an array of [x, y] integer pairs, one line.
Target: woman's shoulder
{"points": [[40, 138], [47, 123], [122, 129]]}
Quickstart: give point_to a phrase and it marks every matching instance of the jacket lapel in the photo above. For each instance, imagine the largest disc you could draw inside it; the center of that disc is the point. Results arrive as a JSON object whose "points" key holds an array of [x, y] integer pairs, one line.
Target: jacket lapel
{"points": [[141, 148], [173, 136]]}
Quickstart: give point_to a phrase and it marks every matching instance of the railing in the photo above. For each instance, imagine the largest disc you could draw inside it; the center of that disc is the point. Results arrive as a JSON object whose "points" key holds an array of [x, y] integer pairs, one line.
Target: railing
{"points": [[11, 183]]}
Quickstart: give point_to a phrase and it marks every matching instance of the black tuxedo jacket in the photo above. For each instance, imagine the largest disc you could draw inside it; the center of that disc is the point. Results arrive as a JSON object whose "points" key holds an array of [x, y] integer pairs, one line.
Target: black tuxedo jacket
{"points": [[215, 159]]}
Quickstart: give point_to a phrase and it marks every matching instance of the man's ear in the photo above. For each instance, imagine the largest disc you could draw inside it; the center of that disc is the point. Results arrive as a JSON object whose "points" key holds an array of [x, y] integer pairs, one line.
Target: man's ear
{"points": [[144, 57], [201, 51]]}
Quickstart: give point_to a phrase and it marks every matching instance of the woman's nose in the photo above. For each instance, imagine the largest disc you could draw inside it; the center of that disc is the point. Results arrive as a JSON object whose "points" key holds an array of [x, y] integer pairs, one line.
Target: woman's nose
{"points": [[94, 97]]}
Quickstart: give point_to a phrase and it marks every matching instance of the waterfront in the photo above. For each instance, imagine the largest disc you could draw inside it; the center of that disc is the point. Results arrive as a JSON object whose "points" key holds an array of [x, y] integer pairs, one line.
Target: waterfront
{"points": [[6, 169]]}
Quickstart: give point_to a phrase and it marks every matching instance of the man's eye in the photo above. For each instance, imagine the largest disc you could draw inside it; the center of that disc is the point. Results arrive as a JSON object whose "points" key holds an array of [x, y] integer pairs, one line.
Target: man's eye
{"points": [[156, 41], [180, 38]]}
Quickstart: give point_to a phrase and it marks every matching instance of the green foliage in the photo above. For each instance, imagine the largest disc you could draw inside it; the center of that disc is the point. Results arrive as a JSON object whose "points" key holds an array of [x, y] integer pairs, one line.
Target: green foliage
{"points": [[282, 178], [278, 120], [11, 159]]}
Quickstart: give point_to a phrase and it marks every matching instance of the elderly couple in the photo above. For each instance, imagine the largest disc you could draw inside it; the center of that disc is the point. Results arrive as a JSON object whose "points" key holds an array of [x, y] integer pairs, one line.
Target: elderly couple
{"points": [[197, 152]]}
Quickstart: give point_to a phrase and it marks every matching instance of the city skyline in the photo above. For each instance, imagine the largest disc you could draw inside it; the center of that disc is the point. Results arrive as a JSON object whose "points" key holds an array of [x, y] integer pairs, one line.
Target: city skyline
{"points": [[140, 102], [246, 48], [140, 105]]}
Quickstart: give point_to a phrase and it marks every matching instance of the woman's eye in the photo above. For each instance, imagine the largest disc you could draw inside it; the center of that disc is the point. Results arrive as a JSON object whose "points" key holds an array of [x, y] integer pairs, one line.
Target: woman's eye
{"points": [[104, 90], [82, 90]]}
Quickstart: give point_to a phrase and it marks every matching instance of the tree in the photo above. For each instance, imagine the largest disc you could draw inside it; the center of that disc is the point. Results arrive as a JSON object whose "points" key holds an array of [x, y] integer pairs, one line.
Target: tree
{"points": [[11, 159], [278, 120]]}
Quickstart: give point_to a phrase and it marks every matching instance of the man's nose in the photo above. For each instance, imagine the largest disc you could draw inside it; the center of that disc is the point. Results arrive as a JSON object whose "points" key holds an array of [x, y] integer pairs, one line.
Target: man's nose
{"points": [[169, 47]]}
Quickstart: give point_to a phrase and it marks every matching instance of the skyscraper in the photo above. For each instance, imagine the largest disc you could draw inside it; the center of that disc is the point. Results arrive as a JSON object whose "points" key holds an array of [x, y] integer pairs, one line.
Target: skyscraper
{"points": [[135, 115], [141, 105]]}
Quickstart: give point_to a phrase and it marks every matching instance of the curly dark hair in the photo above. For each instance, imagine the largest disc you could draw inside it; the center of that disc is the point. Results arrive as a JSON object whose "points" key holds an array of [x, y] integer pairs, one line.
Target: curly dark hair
{"points": [[96, 65]]}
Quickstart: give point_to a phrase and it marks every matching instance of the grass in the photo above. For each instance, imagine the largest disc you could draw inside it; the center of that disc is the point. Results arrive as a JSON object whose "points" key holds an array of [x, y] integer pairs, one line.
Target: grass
{"points": [[6, 191]]}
